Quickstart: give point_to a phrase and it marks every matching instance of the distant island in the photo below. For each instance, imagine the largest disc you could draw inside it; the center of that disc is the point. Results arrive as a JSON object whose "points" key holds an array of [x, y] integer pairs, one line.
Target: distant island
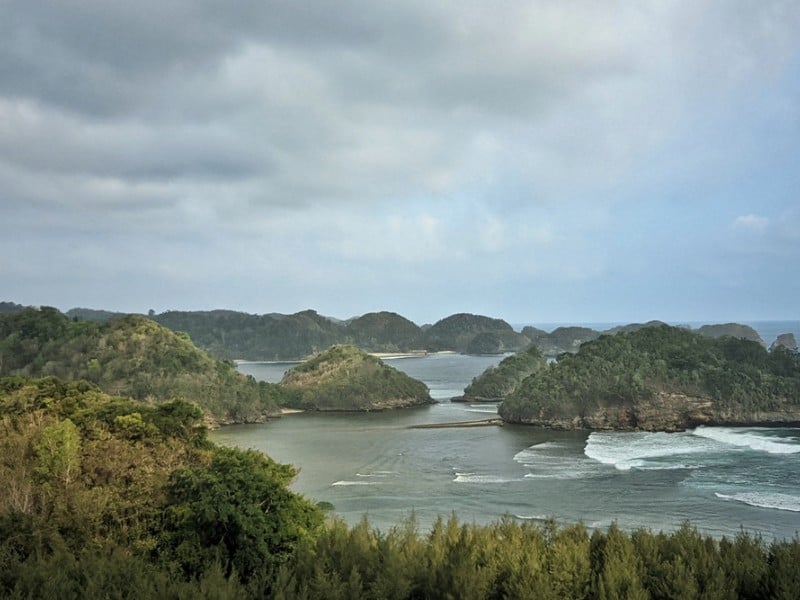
{"points": [[657, 378], [232, 335]]}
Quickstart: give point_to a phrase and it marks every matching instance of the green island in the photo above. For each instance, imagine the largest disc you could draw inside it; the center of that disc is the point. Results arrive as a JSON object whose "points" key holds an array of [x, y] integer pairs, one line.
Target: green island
{"points": [[344, 378], [496, 383], [660, 378]]}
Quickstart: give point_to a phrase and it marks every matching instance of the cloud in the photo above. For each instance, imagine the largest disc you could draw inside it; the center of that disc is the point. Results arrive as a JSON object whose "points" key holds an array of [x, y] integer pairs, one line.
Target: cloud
{"points": [[483, 140], [751, 223]]}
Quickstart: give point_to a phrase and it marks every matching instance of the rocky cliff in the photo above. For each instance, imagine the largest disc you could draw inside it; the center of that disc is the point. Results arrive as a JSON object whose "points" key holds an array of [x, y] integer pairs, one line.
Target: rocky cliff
{"points": [[665, 411]]}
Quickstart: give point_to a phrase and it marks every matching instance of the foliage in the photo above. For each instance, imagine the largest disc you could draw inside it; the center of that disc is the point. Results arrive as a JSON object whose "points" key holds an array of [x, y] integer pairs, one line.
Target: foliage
{"points": [[345, 378], [739, 375], [131, 356], [383, 332], [108, 497], [495, 383], [457, 331]]}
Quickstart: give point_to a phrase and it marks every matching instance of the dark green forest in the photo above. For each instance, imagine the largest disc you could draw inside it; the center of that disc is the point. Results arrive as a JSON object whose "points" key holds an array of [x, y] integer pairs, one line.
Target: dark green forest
{"points": [[496, 383], [106, 497], [135, 357], [739, 377], [346, 378]]}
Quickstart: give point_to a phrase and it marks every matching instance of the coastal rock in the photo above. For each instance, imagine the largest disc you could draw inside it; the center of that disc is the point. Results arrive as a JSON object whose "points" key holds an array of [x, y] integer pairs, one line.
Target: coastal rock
{"points": [[735, 330], [666, 411], [784, 340]]}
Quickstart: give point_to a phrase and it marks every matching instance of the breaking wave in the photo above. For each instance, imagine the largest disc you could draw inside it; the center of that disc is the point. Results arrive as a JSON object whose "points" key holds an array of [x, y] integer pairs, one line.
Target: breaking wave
{"points": [[755, 439], [765, 500]]}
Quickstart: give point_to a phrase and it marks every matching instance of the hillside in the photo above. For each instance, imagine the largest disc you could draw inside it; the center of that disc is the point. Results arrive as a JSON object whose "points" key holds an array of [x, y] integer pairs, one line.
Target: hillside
{"points": [[495, 383], [343, 378], [457, 332], [231, 335], [131, 356], [112, 498], [383, 332], [661, 378]]}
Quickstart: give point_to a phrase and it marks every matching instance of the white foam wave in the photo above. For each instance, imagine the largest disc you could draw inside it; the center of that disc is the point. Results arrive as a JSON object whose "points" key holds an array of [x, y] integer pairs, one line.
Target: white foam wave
{"points": [[765, 500], [536, 452], [627, 450], [475, 478], [532, 517], [377, 474], [478, 409], [549, 461], [347, 483], [754, 439]]}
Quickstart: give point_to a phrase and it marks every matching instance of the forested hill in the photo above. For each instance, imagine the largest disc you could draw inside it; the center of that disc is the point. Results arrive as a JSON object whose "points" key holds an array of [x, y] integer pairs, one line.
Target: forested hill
{"points": [[131, 356], [345, 378], [661, 378], [495, 383], [231, 335]]}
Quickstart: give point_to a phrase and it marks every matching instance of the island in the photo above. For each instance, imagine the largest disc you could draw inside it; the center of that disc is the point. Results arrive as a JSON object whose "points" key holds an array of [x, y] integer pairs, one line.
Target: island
{"points": [[661, 378], [344, 378]]}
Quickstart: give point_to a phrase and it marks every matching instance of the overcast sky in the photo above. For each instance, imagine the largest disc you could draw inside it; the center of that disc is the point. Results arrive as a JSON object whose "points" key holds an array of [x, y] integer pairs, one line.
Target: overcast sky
{"points": [[538, 161]]}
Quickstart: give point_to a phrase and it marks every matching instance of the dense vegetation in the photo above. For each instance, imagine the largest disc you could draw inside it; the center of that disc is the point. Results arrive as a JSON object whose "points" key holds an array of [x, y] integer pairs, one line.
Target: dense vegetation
{"points": [[456, 332], [131, 356], [384, 332], [106, 497], [495, 383], [345, 378], [739, 377]]}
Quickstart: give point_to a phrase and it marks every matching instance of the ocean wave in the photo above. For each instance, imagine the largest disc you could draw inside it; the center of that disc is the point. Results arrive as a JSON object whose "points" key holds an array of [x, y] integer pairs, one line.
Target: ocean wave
{"points": [[347, 483], [475, 478], [548, 460], [532, 517], [654, 451], [377, 474], [492, 410], [754, 439], [765, 500]]}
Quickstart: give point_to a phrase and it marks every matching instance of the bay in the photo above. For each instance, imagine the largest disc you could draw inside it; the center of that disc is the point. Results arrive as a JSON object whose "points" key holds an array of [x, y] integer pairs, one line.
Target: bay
{"points": [[722, 480]]}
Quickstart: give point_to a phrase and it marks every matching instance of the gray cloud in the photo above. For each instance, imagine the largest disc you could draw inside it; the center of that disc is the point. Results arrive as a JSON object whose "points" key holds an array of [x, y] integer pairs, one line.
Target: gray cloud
{"points": [[341, 136]]}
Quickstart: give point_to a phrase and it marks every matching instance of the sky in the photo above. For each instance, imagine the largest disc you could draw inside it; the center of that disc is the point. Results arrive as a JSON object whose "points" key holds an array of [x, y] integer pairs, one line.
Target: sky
{"points": [[540, 161]]}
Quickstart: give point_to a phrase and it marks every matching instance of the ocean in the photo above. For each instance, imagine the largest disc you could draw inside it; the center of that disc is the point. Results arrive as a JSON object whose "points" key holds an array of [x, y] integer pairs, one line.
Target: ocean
{"points": [[722, 480]]}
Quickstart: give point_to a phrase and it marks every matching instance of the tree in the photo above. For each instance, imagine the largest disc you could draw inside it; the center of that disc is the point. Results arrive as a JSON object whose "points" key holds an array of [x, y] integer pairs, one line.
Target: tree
{"points": [[238, 511], [58, 452]]}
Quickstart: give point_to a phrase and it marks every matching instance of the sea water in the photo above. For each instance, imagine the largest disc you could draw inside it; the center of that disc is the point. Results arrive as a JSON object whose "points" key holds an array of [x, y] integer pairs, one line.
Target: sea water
{"points": [[722, 479]]}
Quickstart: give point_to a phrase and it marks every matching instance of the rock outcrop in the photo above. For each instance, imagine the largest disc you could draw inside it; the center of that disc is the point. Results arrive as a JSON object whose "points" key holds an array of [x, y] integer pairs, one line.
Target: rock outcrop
{"points": [[786, 341], [666, 411]]}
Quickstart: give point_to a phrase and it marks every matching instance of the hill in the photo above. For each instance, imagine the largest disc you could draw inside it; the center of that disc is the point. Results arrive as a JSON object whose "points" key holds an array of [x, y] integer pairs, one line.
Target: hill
{"points": [[661, 378], [383, 332], [495, 383], [131, 356], [457, 332], [231, 335], [343, 378]]}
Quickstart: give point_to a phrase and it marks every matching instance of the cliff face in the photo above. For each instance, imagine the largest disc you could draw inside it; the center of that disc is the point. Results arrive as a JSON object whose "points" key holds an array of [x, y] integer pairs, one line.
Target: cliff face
{"points": [[664, 412]]}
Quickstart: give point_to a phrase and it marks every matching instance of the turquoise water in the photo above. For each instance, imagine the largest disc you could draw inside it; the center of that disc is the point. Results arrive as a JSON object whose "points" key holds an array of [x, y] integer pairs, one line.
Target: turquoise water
{"points": [[721, 479]]}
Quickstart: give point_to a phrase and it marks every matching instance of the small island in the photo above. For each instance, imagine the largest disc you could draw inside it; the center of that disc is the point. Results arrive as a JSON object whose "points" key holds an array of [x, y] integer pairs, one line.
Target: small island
{"points": [[344, 378], [661, 378]]}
